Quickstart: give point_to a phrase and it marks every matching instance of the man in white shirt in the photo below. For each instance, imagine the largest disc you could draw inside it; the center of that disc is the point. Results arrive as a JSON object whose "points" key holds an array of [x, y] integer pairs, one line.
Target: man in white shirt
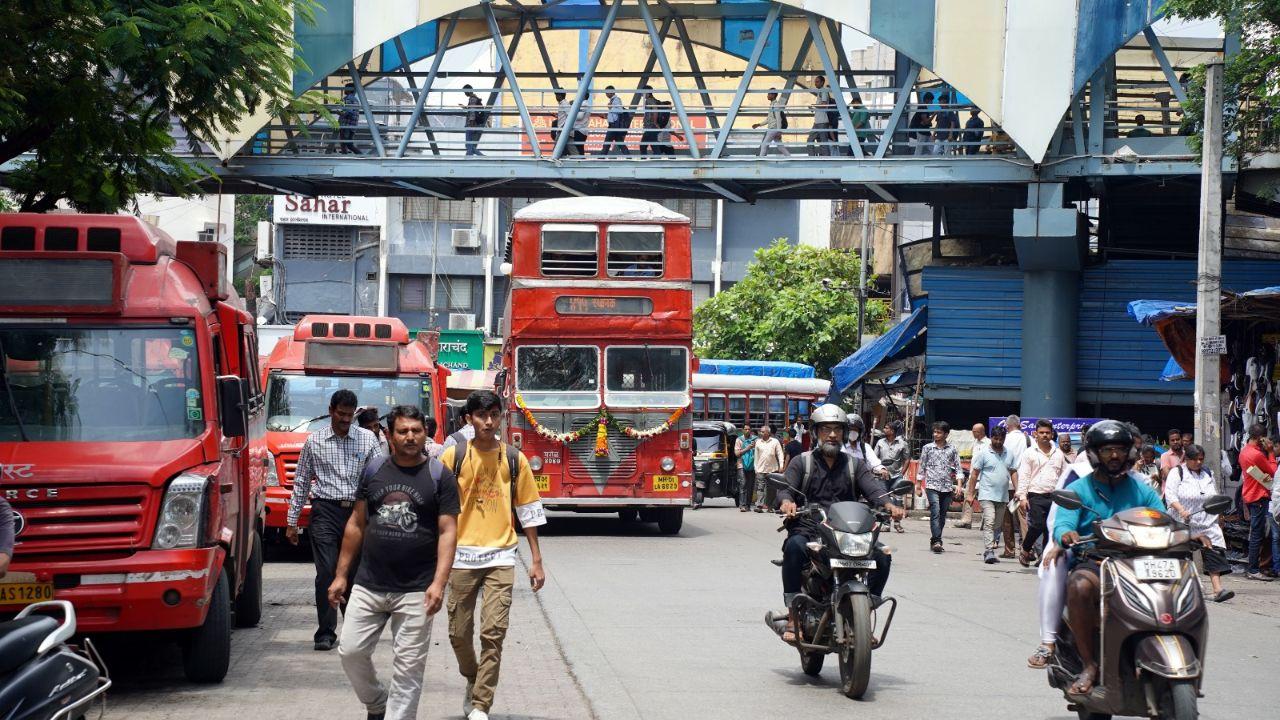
{"points": [[1016, 440], [768, 460], [1038, 472], [774, 124], [980, 442]]}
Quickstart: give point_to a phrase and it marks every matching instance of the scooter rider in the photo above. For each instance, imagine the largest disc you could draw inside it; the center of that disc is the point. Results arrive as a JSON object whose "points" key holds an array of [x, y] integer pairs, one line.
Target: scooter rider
{"points": [[834, 476], [1109, 489]]}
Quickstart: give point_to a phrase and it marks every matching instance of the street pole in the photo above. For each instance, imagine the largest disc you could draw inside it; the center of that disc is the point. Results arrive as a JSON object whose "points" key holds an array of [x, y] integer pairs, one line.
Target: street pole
{"points": [[862, 268], [1208, 406]]}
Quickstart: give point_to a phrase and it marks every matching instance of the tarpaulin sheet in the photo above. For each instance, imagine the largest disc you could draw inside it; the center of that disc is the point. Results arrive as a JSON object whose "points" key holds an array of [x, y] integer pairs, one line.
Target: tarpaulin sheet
{"points": [[849, 371], [765, 368]]}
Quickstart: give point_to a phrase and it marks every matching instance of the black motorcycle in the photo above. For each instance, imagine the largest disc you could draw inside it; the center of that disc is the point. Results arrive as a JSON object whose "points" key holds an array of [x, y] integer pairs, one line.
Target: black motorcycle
{"points": [[835, 611], [41, 676]]}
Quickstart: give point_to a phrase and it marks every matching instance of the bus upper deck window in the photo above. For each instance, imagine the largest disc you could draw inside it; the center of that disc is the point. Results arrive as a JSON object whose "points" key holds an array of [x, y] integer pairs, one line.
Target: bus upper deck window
{"points": [[635, 251], [570, 250]]}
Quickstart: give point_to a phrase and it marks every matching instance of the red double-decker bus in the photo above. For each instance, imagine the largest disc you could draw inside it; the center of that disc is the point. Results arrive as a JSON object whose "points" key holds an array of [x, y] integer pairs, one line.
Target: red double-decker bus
{"points": [[598, 355]]}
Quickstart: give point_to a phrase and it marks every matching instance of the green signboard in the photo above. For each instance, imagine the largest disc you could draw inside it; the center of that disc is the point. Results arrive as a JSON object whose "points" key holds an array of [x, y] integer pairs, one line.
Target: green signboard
{"points": [[462, 349]]}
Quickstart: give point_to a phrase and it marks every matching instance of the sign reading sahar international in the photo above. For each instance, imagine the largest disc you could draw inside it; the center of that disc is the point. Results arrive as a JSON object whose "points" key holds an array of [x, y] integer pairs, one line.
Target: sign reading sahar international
{"points": [[328, 210]]}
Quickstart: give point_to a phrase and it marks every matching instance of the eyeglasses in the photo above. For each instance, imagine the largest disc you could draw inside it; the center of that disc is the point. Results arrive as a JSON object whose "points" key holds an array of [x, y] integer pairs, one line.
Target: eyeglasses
{"points": [[1113, 451]]}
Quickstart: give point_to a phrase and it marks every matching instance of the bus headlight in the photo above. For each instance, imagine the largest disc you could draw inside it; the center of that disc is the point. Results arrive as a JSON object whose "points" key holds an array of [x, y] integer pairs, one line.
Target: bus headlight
{"points": [[667, 464], [535, 463], [273, 475], [182, 513]]}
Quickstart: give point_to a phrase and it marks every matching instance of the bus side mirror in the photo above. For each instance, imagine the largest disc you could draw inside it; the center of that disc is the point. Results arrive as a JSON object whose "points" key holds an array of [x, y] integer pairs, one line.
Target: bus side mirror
{"points": [[231, 406]]}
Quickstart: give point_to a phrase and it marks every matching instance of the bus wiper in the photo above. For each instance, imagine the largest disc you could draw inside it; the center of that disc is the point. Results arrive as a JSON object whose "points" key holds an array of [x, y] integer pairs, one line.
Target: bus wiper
{"points": [[8, 391], [308, 422]]}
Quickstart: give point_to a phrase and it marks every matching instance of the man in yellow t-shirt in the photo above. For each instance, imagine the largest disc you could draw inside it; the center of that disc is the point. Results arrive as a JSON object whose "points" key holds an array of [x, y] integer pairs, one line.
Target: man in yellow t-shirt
{"points": [[487, 544]]}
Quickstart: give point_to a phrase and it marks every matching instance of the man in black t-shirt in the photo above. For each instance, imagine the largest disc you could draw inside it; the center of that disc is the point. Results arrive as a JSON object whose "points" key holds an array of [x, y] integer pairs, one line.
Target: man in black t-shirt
{"points": [[792, 448], [404, 526]]}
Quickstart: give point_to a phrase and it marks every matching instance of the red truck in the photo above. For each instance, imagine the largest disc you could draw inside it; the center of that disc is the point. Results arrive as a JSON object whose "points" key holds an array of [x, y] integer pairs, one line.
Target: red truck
{"points": [[131, 432], [371, 356]]}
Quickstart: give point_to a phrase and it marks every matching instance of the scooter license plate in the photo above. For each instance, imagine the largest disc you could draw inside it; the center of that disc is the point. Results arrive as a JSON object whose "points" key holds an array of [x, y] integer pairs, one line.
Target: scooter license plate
{"points": [[852, 564], [1156, 570], [22, 589]]}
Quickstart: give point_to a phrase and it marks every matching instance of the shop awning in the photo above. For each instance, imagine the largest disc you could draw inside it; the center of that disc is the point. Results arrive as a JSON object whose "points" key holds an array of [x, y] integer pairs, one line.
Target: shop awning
{"points": [[851, 370], [1175, 323]]}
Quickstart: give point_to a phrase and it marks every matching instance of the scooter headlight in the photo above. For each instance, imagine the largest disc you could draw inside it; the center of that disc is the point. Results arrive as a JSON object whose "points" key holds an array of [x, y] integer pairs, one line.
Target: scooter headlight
{"points": [[1151, 538], [1116, 535], [854, 544]]}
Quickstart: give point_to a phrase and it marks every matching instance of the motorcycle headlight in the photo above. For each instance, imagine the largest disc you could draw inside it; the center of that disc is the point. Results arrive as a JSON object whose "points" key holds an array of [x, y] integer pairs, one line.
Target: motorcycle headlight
{"points": [[854, 544], [535, 463], [182, 513], [1117, 535], [273, 473], [667, 464]]}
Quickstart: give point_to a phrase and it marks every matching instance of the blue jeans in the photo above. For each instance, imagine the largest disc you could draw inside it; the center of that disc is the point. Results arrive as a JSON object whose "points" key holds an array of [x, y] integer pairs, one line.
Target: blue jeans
{"points": [[938, 504], [1259, 519]]}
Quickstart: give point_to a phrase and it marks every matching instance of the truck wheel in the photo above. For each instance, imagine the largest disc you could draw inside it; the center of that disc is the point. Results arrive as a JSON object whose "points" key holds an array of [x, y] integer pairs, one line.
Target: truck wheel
{"points": [[855, 654], [206, 654], [249, 602], [670, 520]]}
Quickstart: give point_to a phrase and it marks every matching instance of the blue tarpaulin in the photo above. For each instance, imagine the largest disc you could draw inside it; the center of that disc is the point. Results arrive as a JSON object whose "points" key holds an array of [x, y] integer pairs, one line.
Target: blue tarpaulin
{"points": [[1173, 371], [849, 371], [1148, 312], [767, 368]]}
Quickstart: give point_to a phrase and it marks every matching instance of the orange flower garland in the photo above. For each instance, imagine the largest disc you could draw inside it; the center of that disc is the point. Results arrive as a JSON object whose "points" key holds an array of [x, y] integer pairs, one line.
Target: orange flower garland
{"points": [[602, 437], [603, 421]]}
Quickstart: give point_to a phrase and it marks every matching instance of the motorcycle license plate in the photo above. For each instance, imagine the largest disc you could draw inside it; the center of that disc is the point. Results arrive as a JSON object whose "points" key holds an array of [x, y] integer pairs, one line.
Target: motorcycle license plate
{"points": [[543, 482], [843, 563], [22, 589], [666, 483], [1156, 569]]}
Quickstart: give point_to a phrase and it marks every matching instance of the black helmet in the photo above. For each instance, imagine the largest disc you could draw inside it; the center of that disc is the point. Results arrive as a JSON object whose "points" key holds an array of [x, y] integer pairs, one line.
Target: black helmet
{"points": [[855, 422], [1108, 432]]}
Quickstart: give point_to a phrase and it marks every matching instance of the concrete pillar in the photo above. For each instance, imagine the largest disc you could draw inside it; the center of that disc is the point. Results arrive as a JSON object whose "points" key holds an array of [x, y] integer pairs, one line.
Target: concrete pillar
{"points": [[1050, 240]]}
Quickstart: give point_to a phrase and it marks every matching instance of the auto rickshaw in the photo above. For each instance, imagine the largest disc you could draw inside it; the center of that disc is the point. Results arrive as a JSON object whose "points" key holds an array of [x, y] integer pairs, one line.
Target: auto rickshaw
{"points": [[715, 467]]}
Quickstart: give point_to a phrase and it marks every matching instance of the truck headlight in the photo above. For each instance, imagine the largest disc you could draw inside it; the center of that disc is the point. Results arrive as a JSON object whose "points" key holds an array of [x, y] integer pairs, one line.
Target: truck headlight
{"points": [[182, 513], [854, 544], [273, 474], [667, 464]]}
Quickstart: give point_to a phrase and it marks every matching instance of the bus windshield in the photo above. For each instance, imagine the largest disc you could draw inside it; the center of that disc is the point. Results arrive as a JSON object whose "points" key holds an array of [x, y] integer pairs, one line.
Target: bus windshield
{"points": [[643, 376], [558, 376], [300, 403], [99, 384]]}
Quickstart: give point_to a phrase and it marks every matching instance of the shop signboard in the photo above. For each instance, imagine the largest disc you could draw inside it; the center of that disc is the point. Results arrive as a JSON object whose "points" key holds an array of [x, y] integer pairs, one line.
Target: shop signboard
{"points": [[1072, 426], [327, 210], [462, 349]]}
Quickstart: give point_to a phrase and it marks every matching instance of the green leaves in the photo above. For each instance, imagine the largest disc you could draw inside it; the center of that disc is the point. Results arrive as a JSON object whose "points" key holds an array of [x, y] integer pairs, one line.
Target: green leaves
{"points": [[782, 311], [91, 89]]}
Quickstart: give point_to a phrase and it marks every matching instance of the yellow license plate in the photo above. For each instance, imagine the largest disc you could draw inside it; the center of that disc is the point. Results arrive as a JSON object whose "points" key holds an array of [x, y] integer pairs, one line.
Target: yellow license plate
{"points": [[543, 482], [25, 593], [666, 483]]}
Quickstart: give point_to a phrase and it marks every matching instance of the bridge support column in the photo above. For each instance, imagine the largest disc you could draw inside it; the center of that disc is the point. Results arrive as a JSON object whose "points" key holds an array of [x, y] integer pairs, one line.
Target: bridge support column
{"points": [[1050, 241]]}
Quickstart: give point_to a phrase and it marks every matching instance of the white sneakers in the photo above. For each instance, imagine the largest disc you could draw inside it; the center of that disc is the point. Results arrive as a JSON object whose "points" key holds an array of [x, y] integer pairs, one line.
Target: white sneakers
{"points": [[477, 714], [467, 708]]}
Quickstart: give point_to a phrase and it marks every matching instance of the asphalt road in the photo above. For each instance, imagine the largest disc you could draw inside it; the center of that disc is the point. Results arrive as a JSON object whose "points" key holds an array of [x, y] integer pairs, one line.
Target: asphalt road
{"points": [[634, 624]]}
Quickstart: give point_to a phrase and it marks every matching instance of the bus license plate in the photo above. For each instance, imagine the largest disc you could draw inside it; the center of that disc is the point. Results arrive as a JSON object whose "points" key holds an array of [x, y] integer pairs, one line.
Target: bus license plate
{"points": [[543, 482], [21, 589], [666, 483], [842, 563], [1158, 569]]}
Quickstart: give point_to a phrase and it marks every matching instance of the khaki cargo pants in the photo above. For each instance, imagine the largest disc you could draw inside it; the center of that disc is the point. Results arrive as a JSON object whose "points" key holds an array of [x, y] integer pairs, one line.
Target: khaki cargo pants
{"points": [[466, 586]]}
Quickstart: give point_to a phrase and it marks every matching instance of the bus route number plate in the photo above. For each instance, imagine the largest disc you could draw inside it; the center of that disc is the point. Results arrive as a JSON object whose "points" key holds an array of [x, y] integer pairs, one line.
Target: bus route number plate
{"points": [[543, 482], [666, 483]]}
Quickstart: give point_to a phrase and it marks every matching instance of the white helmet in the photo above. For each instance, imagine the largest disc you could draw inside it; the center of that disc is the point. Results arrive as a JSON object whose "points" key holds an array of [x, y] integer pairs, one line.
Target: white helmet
{"points": [[828, 413], [855, 422]]}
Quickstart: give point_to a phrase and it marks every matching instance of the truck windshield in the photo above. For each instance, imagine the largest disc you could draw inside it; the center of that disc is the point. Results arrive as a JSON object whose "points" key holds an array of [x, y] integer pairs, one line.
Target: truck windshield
{"points": [[558, 376], [645, 376], [99, 384], [300, 403]]}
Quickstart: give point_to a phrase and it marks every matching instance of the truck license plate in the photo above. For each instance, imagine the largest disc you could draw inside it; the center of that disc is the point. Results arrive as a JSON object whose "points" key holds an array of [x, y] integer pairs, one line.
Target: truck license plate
{"points": [[22, 589], [666, 483], [842, 563], [543, 482], [1156, 569]]}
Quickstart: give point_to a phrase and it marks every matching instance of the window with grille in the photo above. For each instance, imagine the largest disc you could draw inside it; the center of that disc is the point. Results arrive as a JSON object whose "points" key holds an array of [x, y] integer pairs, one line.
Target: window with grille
{"points": [[635, 251], [413, 293], [453, 294], [317, 242], [570, 250], [701, 213], [451, 211]]}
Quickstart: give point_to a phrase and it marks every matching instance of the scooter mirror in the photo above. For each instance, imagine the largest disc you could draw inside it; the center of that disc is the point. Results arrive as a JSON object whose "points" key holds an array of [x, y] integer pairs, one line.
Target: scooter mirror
{"points": [[778, 481], [1217, 504], [902, 487], [1067, 499]]}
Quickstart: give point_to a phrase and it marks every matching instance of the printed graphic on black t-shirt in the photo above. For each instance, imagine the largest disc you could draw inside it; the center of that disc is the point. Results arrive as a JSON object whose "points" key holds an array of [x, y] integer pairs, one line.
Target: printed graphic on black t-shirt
{"points": [[404, 505]]}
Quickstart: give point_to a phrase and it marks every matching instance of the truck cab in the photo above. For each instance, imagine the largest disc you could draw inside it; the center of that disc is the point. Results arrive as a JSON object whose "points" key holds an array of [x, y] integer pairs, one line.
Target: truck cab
{"points": [[131, 431], [373, 357]]}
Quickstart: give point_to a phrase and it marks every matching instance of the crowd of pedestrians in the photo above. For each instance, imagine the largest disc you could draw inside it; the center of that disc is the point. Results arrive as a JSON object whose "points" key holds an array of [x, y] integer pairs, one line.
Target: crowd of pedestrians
{"points": [[401, 527]]}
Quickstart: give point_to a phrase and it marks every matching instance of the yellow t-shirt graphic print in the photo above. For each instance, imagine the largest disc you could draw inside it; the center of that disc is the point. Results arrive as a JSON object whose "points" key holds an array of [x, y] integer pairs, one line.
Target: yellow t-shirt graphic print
{"points": [[486, 535]]}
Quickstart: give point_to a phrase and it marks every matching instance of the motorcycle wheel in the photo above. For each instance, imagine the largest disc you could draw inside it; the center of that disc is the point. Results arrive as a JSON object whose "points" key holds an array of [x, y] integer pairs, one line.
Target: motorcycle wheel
{"points": [[855, 654], [1086, 715], [1179, 702], [811, 663]]}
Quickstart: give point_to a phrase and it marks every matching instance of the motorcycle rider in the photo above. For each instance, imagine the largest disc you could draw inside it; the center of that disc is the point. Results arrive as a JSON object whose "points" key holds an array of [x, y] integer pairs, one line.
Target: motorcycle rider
{"points": [[855, 444], [834, 476], [1109, 489]]}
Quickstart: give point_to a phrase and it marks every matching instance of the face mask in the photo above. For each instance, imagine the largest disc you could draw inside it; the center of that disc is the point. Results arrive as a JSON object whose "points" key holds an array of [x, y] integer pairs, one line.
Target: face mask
{"points": [[853, 436]]}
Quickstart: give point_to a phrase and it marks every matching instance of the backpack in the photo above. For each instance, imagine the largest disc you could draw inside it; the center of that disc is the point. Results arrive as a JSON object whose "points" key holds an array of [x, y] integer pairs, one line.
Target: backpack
{"points": [[783, 116], [513, 466], [482, 118], [373, 466], [808, 473], [662, 118]]}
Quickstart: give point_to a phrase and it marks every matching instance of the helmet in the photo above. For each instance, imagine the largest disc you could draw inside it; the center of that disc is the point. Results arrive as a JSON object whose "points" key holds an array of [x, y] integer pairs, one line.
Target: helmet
{"points": [[1108, 432], [828, 413], [855, 422]]}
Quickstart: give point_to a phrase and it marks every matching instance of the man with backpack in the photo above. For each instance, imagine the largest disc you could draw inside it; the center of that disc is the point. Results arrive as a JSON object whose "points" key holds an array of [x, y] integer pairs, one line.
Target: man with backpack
{"points": [[495, 485], [656, 139], [477, 118], [403, 527], [619, 120], [774, 124], [827, 475]]}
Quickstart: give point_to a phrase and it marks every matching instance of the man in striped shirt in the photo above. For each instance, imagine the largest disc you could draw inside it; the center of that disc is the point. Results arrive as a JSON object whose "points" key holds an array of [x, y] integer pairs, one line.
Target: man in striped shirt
{"points": [[328, 473]]}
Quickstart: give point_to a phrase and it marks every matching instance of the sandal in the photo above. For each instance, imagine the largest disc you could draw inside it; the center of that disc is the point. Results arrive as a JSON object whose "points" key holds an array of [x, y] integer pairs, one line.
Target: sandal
{"points": [[1040, 658], [897, 526], [789, 634]]}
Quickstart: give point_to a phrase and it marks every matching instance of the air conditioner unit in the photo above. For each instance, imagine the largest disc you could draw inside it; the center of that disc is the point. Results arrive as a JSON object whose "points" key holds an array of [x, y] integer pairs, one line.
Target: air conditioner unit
{"points": [[465, 238], [462, 321]]}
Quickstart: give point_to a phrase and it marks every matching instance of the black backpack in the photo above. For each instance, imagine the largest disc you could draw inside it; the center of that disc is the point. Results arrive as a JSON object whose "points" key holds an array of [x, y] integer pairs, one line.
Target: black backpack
{"points": [[662, 118], [807, 480], [482, 118], [785, 124]]}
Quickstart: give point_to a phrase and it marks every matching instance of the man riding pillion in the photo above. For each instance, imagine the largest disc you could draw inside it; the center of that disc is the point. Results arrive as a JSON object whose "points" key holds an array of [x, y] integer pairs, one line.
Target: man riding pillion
{"points": [[834, 476], [1109, 489]]}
